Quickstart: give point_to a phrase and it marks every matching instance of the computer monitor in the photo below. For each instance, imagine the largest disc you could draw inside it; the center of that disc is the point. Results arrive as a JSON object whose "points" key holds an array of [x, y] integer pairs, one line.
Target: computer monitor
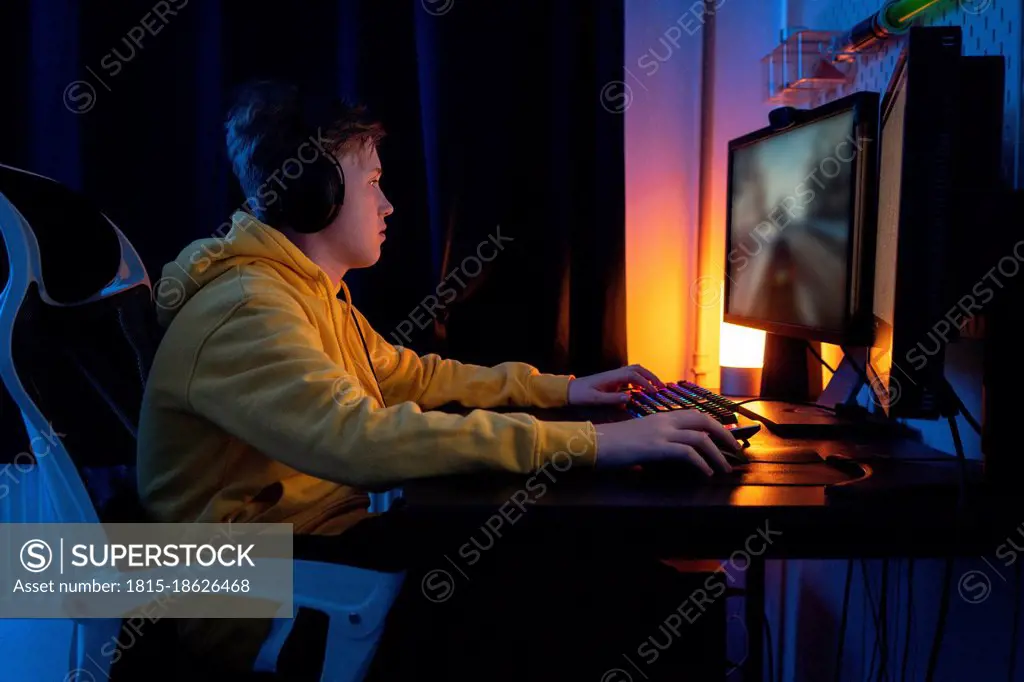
{"points": [[916, 219], [800, 234]]}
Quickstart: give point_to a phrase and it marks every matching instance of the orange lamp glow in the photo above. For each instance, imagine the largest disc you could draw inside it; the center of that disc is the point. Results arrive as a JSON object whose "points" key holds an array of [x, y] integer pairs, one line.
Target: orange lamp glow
{"points": [[833, 355], [740, 359], [741, 346]]}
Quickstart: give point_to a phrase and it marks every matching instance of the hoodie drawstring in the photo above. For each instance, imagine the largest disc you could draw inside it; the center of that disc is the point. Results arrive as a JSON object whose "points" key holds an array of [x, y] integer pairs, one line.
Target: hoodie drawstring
{"points": [[369, 360]]}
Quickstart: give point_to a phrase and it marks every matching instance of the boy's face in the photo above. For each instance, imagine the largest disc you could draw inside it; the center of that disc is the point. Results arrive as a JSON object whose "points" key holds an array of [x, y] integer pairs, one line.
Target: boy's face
{"points": [[356, 234]]}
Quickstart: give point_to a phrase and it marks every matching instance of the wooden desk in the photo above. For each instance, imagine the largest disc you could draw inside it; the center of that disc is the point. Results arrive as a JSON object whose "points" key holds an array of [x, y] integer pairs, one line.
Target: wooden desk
{"points": [[909, 506]]}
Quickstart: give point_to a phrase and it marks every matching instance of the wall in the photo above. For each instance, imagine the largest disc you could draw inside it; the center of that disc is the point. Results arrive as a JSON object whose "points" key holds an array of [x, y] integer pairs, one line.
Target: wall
{"points": [[660, 98], [745, 31], [990, 27]]}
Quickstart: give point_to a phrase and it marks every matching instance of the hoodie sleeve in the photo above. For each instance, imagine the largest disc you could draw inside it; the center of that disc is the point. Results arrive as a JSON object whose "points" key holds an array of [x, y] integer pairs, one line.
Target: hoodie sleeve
{"points": [[262, 376], [430, 381]]}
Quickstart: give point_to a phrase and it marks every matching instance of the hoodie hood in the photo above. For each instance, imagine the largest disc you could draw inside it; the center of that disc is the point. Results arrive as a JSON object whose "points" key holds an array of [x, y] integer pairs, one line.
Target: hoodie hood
{"points": [[248, 241]]}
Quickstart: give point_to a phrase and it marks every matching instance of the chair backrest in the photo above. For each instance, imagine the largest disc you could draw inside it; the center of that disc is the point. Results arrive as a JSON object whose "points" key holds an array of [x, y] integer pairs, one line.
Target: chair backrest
{"points": [[77, 337]]}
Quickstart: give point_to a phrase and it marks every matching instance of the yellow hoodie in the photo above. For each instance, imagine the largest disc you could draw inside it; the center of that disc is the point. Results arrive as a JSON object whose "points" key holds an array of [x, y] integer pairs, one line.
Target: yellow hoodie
{"points": [[261, 407]]}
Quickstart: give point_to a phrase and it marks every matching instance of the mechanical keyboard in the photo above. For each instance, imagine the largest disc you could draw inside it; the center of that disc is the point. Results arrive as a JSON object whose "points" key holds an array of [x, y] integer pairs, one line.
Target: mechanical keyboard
{"points": [[685, 395]]}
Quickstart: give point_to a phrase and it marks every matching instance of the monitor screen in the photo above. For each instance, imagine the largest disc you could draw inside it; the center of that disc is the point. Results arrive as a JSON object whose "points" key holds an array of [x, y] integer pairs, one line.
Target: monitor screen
{"points": [[890, 172], [791, 221]]}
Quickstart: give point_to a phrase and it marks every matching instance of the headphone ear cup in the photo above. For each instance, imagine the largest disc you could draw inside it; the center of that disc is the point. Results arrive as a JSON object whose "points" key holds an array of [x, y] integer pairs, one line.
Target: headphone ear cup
{"points": [[309, 203], [335, 189]]}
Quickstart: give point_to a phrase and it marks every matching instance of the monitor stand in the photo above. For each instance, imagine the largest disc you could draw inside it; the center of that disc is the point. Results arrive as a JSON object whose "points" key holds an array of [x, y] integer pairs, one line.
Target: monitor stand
{"points": [[789, 418]]}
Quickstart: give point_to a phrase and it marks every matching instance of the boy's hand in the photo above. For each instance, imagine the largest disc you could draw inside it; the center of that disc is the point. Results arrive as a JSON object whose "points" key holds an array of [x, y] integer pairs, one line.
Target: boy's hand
{"points": [[683, 435], [607, 388]]}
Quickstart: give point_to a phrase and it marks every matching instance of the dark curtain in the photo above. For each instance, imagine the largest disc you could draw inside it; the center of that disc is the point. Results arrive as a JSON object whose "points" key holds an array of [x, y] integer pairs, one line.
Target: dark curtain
{"points": [[497, 137]]}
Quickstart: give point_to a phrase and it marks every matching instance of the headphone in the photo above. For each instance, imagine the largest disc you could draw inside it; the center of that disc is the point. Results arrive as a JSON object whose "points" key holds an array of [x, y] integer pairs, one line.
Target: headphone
{"points": [[308, 202]]}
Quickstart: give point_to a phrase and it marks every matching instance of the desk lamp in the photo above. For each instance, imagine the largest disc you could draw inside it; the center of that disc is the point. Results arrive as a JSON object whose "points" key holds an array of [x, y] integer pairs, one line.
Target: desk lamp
{"points": [[741, 356]]}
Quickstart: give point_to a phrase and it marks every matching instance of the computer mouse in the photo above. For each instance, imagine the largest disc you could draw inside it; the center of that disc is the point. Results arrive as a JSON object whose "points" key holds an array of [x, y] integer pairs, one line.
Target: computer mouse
{"points": [[734, 458], [845, 464], [673, 471], [681, 468]]}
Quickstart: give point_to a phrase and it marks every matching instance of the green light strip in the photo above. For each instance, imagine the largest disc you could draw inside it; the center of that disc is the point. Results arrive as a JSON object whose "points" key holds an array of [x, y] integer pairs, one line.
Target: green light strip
{"points": [[899, 14]]}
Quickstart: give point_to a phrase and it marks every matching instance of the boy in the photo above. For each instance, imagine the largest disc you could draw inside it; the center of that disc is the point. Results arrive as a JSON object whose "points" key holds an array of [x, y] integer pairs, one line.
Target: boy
{"points": [[270, 400]]}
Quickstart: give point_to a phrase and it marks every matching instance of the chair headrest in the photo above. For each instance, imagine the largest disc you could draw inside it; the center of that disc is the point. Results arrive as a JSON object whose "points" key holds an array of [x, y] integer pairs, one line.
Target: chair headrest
{"points": [[79, 249]]}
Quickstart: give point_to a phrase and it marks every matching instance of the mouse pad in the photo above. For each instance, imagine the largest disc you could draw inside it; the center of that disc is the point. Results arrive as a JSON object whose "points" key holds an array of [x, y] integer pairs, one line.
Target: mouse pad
{"points": [[755, 473], [790, 474], [782, 454]]}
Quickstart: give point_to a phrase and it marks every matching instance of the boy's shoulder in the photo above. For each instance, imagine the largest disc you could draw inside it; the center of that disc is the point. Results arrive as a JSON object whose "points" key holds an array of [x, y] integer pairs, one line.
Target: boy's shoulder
{"points": [[256, 284]]}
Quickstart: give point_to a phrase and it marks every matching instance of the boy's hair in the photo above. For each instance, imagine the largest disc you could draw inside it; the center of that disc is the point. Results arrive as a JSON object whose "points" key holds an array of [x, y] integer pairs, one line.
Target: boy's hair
{"points": [[267, 122]]}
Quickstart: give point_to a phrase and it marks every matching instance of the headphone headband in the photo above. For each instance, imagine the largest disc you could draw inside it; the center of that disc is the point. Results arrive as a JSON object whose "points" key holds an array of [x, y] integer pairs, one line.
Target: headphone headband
{"points": [[309, 201]]}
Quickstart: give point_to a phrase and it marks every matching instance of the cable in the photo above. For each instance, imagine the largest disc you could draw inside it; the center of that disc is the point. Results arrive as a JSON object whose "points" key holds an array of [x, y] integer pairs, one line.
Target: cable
{"points": [[874, 614], [970, 418], [961, 408], [896, 625], [817, 355], [860, 371], [958, 444], [369, 360], [739, 665], [1016, 625], [910, 615], [783, 400], [844, 619], [883, 617], [951, 407], [940, 626]]}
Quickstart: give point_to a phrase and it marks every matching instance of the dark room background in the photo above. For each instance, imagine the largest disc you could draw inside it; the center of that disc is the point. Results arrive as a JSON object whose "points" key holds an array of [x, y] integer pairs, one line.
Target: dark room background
{"points": [[494, 129]]}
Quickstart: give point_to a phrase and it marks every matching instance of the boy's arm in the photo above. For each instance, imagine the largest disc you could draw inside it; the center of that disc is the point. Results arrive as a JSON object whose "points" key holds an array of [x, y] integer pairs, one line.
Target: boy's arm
{"points": [[262, 376], [430, 381]]}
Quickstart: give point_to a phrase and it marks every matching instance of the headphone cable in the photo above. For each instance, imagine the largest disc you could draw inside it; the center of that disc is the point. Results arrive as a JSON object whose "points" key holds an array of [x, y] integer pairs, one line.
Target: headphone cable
{"points": [[366, 350]]}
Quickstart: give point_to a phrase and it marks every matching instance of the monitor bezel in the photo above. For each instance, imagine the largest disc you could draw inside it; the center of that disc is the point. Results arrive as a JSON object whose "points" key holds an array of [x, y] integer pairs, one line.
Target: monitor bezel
{"points": [[897, 83], [928, 69], [857, 328]]}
